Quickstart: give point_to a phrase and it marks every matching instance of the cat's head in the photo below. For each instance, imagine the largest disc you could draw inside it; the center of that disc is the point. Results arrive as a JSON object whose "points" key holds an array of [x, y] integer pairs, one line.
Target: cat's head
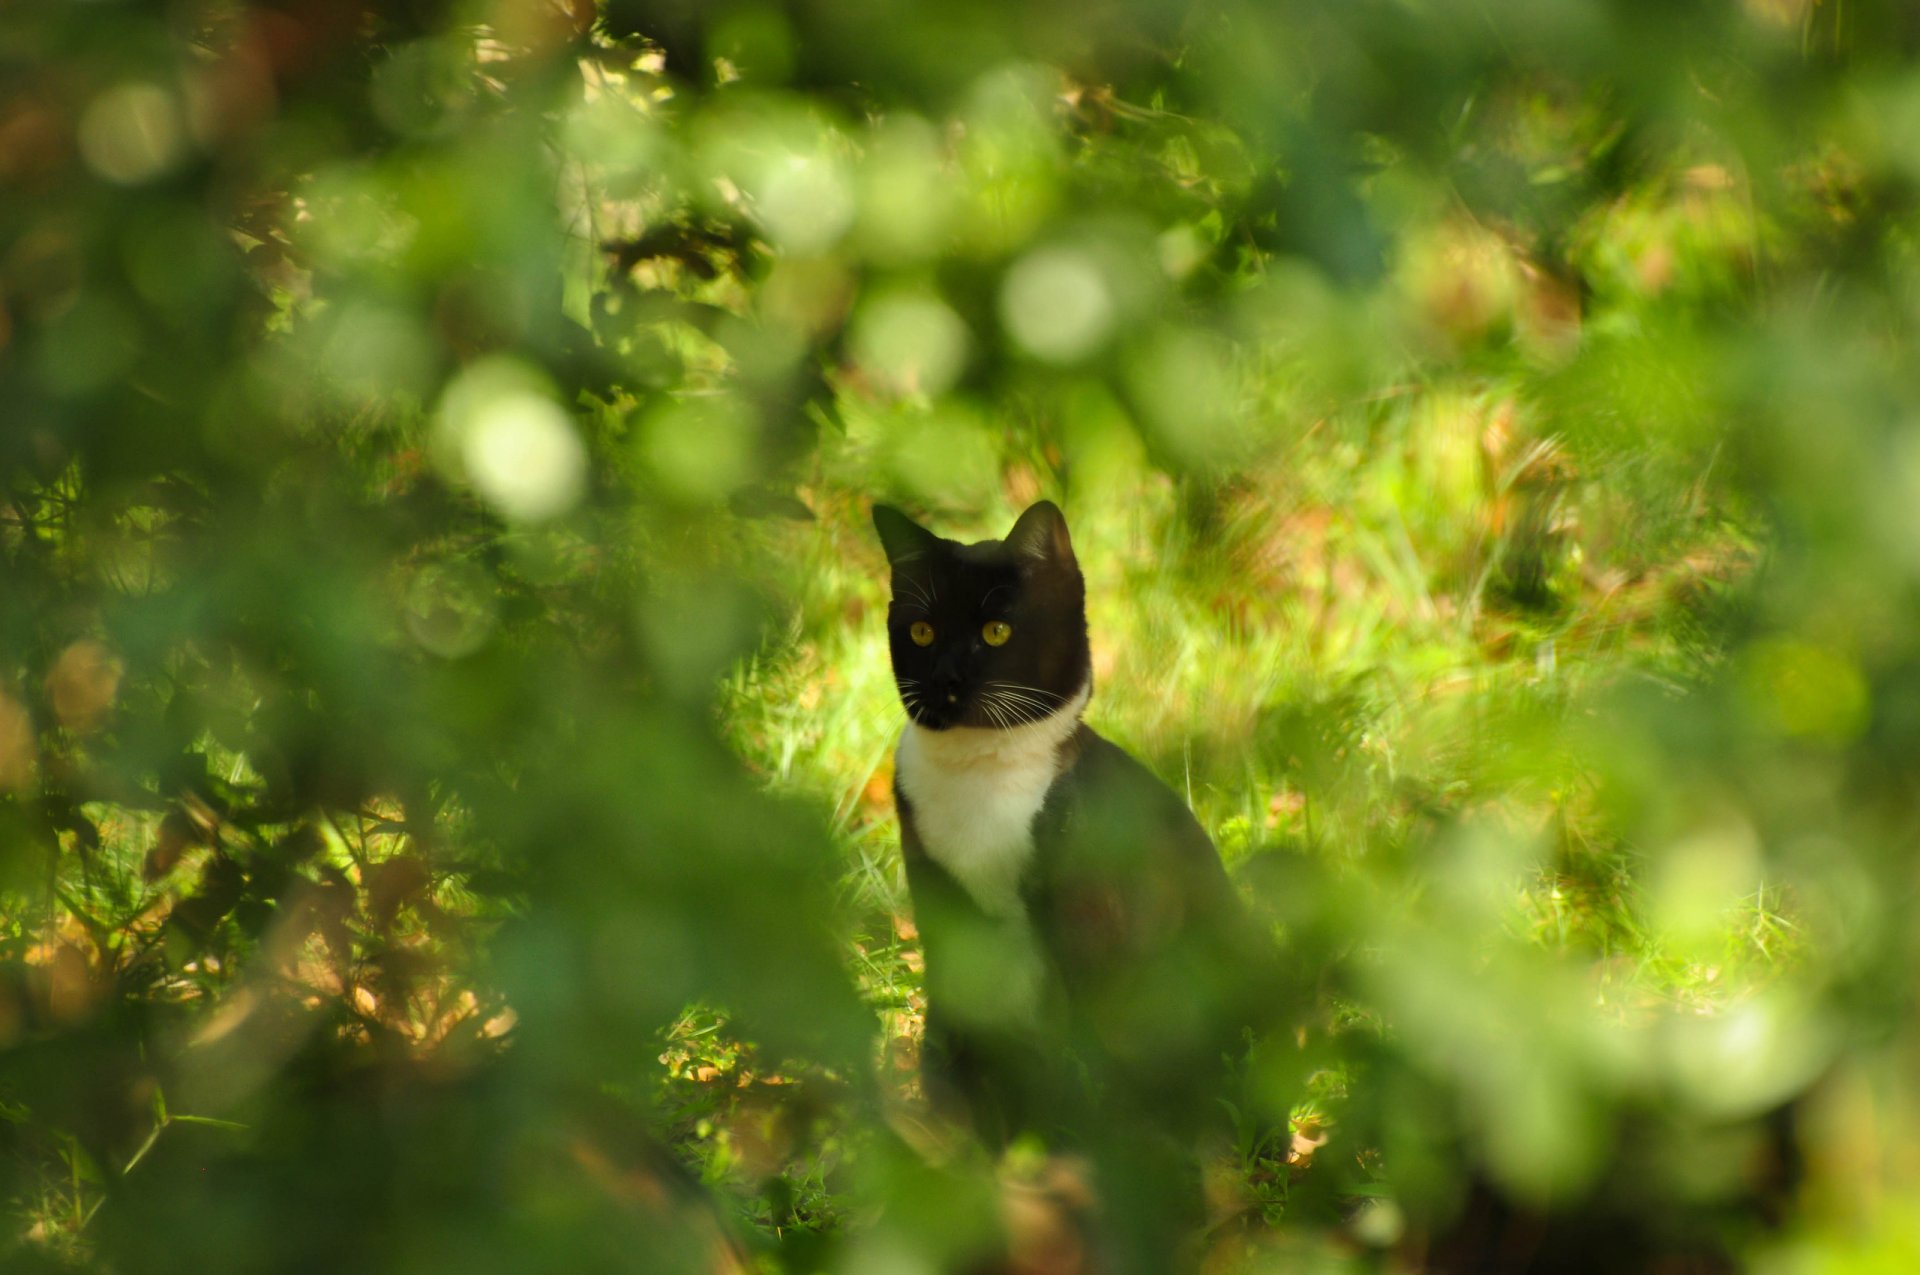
{"points": [[992, 634]]}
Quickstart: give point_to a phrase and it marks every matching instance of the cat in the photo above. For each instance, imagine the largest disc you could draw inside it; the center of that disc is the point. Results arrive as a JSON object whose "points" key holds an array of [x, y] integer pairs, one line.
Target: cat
{"points": [[1088, 963]]}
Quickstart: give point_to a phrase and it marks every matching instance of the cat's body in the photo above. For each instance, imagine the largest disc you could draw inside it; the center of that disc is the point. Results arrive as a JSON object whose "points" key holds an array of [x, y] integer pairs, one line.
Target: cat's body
{"points": [[1086, 954]]}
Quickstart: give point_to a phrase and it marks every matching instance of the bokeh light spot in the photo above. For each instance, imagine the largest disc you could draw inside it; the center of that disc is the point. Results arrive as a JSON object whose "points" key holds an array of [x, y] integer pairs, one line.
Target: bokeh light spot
{"points": [[910, 343], [517, 446], [1751, 1056], [451, 608], [131, 133], [805, 202], [906, 200], [1699, 878], [1056, 305]]}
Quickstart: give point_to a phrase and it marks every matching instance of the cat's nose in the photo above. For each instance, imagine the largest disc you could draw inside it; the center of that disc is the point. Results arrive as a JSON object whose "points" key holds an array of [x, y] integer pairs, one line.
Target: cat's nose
{"points": [[946, 682]]}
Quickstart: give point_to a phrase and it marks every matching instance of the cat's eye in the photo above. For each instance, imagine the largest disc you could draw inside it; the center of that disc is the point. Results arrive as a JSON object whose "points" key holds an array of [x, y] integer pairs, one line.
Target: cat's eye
{"points": [[997, 632], [921, 633]]}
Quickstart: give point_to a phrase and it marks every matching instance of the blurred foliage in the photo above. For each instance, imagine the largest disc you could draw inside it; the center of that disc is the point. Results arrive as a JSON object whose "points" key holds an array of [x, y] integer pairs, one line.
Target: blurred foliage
{"points": [[443, 721]]}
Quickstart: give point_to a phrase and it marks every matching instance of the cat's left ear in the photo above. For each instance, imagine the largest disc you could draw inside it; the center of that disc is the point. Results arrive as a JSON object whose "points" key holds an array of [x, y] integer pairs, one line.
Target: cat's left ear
{"points": [[902, 537], [1041, 534]]}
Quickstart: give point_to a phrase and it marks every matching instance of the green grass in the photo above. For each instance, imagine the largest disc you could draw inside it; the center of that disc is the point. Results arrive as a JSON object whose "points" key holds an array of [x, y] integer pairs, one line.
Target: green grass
{"points": [[1327, 655], [1366, 627], [1365, 662]]}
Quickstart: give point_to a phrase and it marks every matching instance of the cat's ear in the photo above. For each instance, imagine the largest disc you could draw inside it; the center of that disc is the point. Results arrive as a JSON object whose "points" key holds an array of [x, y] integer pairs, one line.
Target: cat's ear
{"points": [[902, 537], [1041, 534]]}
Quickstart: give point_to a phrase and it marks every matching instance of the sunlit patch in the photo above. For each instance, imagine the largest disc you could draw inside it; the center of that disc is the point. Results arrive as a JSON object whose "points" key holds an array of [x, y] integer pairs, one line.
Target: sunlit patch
{"points": [[1015, 101], [1056, 305], [512, 442], [132, 133], [906, 197], [1752, 1056], [1697, 880], [805, 201], [604, 128], [910, 343], [1009, 152], [1181, 251], [1380, 1222]]}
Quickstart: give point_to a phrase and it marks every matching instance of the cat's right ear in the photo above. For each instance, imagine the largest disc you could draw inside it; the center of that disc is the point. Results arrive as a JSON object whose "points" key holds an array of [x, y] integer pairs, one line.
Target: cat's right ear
{"points": [[902, 537], [1041, 534]]}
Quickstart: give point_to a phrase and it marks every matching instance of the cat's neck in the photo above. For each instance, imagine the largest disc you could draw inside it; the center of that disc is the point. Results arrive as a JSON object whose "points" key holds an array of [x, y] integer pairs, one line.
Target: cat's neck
{"points": [[989, 748], [973, 794]]}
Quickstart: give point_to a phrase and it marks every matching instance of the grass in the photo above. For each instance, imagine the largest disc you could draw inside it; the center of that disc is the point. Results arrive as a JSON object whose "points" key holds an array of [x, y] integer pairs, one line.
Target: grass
{"points": [[1361, 660], [1368, 638]]}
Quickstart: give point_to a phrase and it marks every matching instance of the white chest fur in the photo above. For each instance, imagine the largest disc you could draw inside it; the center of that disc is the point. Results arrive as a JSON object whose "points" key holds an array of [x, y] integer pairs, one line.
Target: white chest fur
{"points": [[974, 794]]}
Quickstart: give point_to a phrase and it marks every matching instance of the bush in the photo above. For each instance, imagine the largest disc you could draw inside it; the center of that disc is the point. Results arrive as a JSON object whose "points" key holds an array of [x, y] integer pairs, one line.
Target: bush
{"points": [[444, 734]]}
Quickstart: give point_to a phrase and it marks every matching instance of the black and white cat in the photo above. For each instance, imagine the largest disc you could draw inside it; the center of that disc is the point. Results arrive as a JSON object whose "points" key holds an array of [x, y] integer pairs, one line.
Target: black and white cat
{"points": [[1087, 959]]}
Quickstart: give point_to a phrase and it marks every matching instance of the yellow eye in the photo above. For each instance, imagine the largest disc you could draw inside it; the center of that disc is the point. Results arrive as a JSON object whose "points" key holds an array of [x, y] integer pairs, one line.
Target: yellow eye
{"points": [[997, 632], [921, 633]]}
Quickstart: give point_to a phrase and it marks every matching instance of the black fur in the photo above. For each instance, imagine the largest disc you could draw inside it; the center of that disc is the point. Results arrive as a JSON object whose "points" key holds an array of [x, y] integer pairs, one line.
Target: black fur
{"points": [[1152, 965], [1030, 580]]}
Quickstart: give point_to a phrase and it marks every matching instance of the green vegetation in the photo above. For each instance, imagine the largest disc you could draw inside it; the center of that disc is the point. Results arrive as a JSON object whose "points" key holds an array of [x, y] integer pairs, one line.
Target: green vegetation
{"points": [[444, 721]]}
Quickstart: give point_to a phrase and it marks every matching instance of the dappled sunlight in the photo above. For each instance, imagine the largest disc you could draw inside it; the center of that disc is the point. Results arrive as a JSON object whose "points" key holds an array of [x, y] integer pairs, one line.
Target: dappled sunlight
{"points": [[447, 728]]}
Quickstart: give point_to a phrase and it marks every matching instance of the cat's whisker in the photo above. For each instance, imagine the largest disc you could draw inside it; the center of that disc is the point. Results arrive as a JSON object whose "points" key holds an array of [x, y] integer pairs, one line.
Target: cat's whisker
{"points": [[1035, 690], [1009, 712], [1016, 697], [914, 593], [1022, 686], [1023, 701]]}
